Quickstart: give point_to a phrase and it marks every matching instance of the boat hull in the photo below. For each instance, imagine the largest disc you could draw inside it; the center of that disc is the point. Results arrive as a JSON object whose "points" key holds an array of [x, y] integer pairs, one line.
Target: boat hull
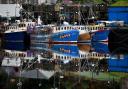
{"points": [[65, 37], [35, 38], [20, 46], [16, 37], [100, 47], [100, 36], [67, 50], [84, 37], [85, 47]]}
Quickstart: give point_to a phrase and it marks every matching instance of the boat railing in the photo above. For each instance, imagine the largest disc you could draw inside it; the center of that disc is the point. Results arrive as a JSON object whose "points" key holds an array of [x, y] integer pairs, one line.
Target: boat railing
{"points": [[11, 28], [70, 27], [80, 27]]}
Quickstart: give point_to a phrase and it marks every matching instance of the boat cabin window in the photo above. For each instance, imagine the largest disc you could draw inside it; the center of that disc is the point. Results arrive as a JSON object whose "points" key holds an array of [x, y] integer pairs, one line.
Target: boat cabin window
{"points": [[61, 28], [67, 28], [21, 25], [24, 25], [14, 27], [10, 27], [61, 57], [64, 28], [99, 28], [82, 28], [56, 56], [58, 28], [94, 28]]}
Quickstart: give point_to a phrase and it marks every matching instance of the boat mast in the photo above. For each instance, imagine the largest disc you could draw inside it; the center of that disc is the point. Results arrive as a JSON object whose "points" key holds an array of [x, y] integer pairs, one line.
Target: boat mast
{"points": [[91, 14], [79, 14]]}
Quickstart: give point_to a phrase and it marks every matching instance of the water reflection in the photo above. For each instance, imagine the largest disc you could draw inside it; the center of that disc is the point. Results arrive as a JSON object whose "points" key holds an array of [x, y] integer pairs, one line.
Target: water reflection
{"points": [[62, 66]]}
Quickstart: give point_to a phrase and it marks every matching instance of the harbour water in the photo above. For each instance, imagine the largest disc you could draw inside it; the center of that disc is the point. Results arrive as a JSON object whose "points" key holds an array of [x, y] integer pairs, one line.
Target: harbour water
{"points": [[93, 65]]}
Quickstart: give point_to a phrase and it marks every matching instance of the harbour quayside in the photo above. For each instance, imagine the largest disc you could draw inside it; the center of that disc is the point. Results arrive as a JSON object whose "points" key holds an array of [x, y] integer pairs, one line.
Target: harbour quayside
{"points": [[64, 33], [51, 33]]}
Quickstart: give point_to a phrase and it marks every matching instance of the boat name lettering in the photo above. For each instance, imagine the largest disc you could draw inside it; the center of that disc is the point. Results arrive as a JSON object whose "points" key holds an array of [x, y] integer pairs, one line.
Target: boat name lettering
{"points": [[64, 36], [64, 50]]}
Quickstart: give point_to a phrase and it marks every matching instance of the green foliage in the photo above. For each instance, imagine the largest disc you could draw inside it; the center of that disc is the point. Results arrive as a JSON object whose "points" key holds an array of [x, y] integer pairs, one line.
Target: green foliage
{"points": [[120, 3], [84, 1]]}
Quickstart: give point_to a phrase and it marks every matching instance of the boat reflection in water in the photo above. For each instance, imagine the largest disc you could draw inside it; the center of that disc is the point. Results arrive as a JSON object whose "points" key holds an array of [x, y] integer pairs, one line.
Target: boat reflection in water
{"points": [[66, 63]]}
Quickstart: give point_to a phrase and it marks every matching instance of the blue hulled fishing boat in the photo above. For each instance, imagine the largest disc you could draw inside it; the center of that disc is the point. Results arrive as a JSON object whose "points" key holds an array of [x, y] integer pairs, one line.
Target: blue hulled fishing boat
{"points": [[17, 32]]}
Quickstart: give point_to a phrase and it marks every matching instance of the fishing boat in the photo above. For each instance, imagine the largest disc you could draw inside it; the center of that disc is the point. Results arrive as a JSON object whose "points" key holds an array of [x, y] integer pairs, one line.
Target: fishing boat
{"points": [[67, 33], [84, 30], [17, 32], [47, 34]]}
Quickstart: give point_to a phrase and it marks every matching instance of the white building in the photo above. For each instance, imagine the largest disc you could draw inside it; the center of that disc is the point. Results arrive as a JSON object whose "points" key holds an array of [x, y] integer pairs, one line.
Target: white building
{"points": [[10, 10], [47, 1], [11, 62]]}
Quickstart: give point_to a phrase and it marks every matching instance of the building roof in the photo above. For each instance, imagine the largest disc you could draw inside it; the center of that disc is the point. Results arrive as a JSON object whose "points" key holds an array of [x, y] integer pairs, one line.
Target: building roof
{"points": [[37, 73], [11, 62]]}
